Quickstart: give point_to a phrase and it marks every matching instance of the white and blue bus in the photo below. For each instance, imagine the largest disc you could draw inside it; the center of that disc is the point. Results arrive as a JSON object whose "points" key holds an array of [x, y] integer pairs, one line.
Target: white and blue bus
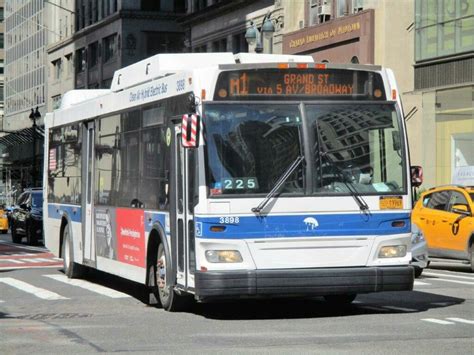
{"points": [[214, 176]]}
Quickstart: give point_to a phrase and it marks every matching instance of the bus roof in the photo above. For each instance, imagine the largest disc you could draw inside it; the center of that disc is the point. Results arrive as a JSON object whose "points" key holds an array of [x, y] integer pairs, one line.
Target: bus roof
{"points": [[73, 97], [161, 65]]}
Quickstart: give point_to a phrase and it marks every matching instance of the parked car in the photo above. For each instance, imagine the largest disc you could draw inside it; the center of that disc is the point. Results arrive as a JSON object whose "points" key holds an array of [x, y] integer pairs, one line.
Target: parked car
{"points": [[27, 217], [445, 215], [3, 220], [419, 250]]}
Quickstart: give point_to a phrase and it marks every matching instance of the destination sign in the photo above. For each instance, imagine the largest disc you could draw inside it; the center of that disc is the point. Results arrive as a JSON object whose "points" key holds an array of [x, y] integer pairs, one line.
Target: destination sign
{"points": [[281, 84]]}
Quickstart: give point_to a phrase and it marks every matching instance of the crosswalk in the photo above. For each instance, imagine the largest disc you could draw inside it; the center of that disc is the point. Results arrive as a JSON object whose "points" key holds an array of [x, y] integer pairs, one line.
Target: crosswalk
{"points": [[53, 296], [50, 287], [448, 321], [18, 256], [440, 277]]}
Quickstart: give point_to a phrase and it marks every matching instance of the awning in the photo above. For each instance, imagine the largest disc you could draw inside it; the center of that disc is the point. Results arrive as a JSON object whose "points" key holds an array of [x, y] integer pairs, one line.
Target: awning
{"points": [[23, 136]]}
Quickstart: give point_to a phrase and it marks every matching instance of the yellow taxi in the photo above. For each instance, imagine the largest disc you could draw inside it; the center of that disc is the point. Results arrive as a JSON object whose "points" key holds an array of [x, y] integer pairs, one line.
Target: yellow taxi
{"points": [[446, 216], [3, 220]]}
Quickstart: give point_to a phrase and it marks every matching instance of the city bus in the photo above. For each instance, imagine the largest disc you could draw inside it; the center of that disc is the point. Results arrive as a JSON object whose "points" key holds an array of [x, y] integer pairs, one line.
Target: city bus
{"points": [[214, 176]]}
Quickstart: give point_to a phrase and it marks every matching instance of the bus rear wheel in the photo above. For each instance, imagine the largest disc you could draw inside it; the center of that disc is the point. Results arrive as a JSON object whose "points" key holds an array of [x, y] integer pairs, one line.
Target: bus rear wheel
{"points": [[340, 299], [71, 269], [169, 299]]}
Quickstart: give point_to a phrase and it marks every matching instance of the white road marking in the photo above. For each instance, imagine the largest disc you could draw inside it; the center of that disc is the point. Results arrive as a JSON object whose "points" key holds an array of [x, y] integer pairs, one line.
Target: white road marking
{"points": [[461, 320], [420, 283], [456, 281], [27, 267], [400, 309], [2, 301], [89, 286], [437, 321], [32, 260], [43, 260], [36, 291], [13, 261], [450, 275]]}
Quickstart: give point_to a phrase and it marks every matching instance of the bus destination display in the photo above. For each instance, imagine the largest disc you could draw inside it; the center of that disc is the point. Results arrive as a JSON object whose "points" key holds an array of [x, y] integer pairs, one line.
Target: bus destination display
{"points": [[277, 83]]}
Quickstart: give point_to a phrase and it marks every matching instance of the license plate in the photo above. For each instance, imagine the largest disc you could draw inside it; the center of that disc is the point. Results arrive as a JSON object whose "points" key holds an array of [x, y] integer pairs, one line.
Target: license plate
{"points": [[391, 203]]}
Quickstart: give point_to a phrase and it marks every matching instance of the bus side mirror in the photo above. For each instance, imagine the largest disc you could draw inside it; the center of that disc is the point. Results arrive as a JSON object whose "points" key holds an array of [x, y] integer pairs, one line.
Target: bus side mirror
{"points": [[190, 130], [416, 175]]}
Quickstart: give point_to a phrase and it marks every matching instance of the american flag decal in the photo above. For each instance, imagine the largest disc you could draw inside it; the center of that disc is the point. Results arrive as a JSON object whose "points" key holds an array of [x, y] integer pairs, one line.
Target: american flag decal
{"points": [[188, 135], [52, 159]]}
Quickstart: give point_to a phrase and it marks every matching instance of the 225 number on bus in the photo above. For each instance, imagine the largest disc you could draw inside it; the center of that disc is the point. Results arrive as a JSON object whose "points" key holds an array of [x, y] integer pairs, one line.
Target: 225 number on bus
{"points": [[249, 183]]}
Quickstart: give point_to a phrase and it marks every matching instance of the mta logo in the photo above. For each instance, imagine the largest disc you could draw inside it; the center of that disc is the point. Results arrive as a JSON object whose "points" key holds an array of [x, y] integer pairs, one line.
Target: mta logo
{"points": [[311, 223]]}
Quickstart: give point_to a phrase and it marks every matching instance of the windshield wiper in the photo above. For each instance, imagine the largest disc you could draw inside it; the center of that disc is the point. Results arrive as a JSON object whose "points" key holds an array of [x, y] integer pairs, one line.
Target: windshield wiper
{"points": [[278, 184], [363, 206]]}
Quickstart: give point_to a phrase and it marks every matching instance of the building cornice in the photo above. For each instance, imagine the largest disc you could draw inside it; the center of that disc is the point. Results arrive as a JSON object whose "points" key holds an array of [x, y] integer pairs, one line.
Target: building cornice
{"points": [[445, 59]]}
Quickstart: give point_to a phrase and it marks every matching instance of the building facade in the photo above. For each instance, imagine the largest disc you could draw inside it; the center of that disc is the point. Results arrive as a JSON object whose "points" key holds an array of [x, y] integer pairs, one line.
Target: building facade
{"points": [[21, 145], [2, 59], [25, 71], [98, 37], [220, 25], [444, 77]]}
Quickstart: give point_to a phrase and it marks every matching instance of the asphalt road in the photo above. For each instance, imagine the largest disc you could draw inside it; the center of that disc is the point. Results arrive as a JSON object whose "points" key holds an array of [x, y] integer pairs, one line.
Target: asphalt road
{"points": [[41, 311]]}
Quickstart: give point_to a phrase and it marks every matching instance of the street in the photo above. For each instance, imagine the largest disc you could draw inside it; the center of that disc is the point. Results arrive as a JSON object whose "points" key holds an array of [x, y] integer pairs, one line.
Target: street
{"points": [[41, 311]]}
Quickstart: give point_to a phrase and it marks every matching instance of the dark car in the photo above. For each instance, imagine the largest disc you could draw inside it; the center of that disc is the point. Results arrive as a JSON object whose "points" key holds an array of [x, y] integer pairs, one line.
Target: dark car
{"points": [[27, 217]]}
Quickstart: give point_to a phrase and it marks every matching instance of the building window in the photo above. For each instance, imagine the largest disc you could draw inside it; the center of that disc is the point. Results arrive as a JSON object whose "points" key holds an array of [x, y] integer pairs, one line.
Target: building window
{"points": [[110, 48], [93, 54], [81, 60], [2, 16], [57, 69], [355, 60], [443, 27], [239, 44], [69, 65], [199, 5], [150, 5], [163, 42], [56, 102]]}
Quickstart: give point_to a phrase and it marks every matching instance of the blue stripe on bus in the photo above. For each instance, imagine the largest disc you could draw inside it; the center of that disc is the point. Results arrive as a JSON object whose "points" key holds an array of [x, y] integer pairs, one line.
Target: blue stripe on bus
{"points": [[152, 218], [56, 211], [252, 227]]}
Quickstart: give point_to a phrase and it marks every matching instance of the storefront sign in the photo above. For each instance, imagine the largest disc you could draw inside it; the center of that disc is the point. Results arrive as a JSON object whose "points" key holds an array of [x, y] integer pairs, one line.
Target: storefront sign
{"points": [[333, 32]]}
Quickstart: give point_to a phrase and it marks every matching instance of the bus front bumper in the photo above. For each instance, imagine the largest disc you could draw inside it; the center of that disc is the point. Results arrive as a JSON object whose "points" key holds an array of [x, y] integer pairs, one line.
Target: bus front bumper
{"points": [[301, 282]]}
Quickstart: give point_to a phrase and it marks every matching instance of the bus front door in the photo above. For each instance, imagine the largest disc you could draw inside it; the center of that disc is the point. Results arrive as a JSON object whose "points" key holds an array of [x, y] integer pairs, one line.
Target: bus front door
{"points": [[183, 220], [87, 201]]}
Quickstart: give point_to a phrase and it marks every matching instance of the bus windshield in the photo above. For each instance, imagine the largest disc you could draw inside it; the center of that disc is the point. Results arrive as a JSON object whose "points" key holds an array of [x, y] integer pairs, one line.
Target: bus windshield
{"points": [[250, 145]]}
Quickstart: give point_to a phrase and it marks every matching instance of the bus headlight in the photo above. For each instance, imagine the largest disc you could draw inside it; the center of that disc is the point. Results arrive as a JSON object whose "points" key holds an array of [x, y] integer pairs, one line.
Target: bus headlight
{"points": [[223, 256], [393, 251]]}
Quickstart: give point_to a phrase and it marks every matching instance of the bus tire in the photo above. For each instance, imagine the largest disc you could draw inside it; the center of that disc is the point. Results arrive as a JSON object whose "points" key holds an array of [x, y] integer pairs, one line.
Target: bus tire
{"points": [[169, 299], [340, 299], [71, 269]]}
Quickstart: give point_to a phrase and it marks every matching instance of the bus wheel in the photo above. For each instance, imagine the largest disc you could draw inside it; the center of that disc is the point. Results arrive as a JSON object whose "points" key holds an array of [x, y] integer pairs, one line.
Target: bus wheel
{"points": [[340, 299], [169, 299], [71, 269]]}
